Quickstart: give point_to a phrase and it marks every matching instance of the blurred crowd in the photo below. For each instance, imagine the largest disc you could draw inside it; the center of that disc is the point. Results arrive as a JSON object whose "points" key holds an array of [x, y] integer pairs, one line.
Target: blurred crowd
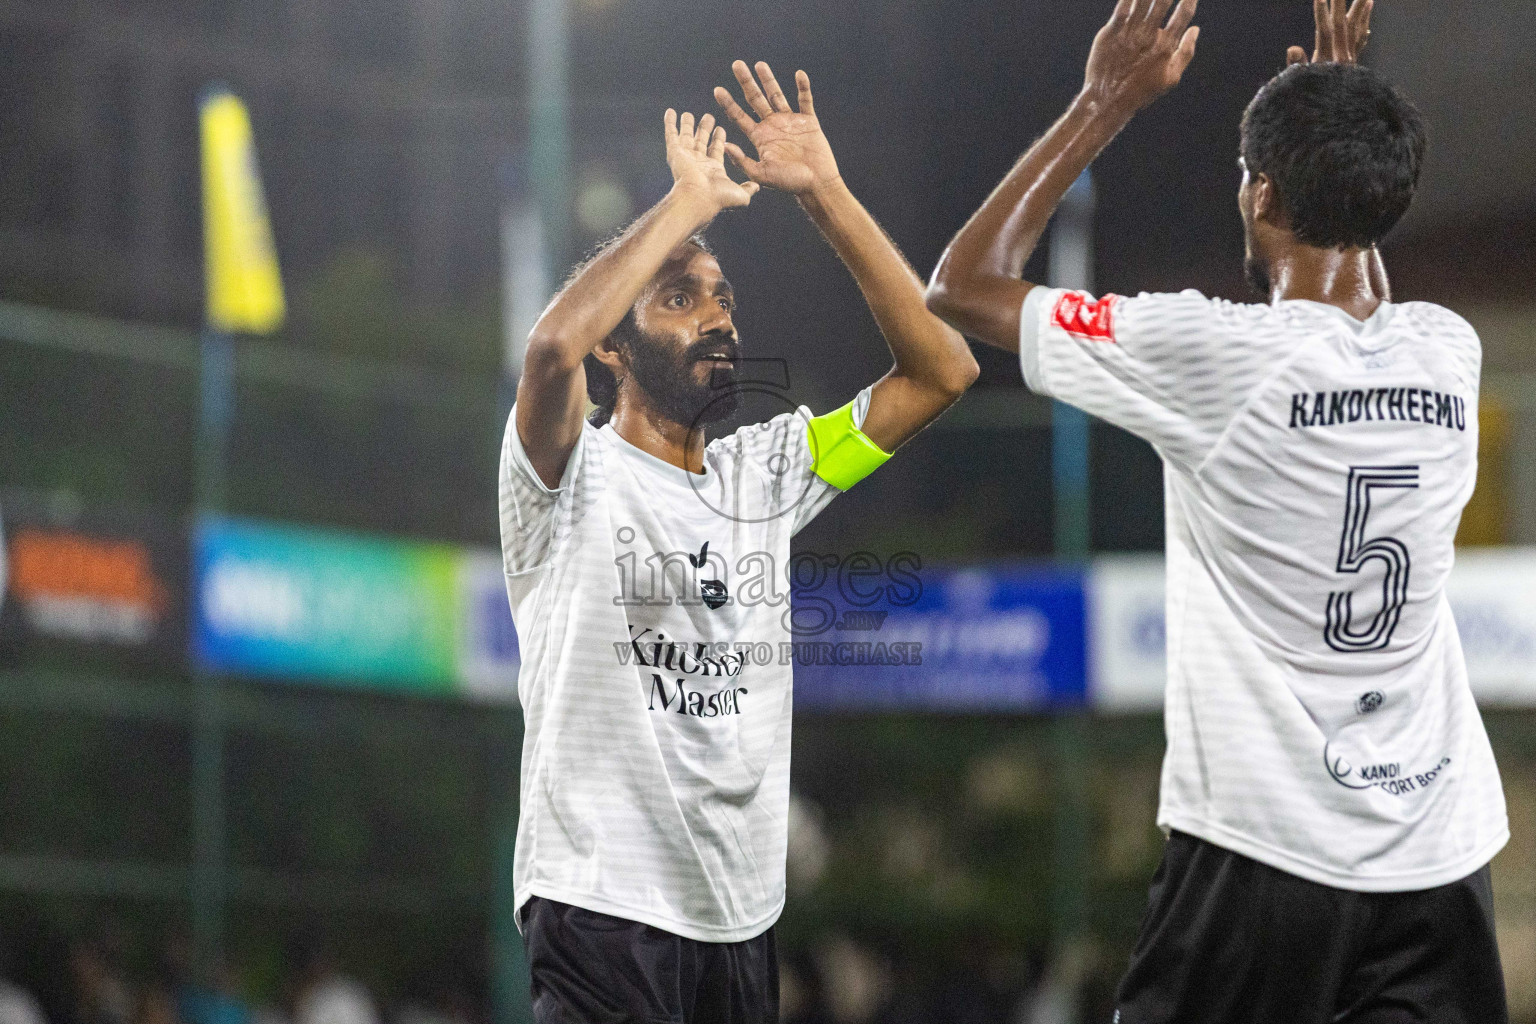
{"points": [[95, 980], [90, 980], [846, 982]]}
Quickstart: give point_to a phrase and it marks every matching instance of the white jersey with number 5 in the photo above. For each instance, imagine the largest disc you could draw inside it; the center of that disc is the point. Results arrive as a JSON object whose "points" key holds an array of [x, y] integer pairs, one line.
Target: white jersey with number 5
{"points": [[1315, 468]]}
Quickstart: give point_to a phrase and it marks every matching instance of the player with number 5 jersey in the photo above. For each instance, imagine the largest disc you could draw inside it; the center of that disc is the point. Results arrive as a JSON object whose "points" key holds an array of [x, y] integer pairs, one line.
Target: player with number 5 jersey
{"points": [[1329, 790]]}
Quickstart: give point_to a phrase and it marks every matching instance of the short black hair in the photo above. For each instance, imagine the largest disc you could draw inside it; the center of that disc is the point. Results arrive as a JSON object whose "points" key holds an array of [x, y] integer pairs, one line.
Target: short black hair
{"points": [[1342, 147], [602, 386]]}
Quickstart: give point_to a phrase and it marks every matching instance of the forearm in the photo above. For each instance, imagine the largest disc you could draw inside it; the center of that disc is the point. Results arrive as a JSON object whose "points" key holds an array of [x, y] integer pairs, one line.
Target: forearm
{"points": [[552, 389], [922, 347], [977, 285], [588, 308], [932, 364]]}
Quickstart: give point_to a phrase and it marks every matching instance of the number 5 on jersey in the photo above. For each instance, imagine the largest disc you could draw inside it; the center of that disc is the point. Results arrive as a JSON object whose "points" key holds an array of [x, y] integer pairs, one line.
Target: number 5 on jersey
{"points": [[1339, 629]]}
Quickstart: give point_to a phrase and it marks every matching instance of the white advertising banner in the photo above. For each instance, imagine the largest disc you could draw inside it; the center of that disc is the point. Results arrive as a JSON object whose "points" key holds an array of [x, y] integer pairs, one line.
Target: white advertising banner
{"points": [[1126, 642], [1492, 593]]}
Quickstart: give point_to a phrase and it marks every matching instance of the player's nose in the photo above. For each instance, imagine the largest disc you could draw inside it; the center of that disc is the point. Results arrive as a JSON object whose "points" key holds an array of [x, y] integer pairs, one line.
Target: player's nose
{"points": [[717, 321]]}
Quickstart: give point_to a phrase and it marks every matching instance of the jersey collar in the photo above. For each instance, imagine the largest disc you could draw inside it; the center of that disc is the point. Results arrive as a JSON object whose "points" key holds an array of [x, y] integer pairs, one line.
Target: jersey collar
{"points": [[659, 469], [1370, 325]]}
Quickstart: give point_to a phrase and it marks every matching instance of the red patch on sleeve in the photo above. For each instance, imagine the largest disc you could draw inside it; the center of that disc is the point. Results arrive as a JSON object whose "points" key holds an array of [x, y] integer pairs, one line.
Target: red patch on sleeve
{"points": [[1082, 317]]}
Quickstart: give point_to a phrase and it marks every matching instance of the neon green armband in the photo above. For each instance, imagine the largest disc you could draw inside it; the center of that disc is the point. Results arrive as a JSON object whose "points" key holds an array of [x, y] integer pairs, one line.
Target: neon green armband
{"points": [[843, 455]]}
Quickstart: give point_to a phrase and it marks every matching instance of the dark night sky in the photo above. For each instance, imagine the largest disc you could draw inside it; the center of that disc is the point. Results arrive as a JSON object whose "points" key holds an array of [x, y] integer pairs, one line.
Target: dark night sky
{"points": [[385, 128], [927, 106]]}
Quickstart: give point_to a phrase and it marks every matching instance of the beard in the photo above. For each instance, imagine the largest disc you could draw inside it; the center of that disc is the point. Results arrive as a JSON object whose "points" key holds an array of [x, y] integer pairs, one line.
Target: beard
{"points": [[1257, 275], [666, 375]]}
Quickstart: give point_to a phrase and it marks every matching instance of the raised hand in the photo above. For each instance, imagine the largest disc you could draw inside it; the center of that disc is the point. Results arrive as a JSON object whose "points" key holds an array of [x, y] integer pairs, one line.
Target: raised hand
{"points": [[1341, 33], [696, 154], [1140, 54], [792, 153]]}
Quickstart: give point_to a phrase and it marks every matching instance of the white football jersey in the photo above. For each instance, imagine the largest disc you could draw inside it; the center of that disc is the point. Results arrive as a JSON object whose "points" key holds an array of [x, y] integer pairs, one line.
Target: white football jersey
{"points": [[652, 612], [1315, 468]]}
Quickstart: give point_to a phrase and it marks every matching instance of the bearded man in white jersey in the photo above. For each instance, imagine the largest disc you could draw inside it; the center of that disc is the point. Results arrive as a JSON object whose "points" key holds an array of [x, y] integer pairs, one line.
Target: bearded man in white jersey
{"points": [[647, 575], [1329, 792]]}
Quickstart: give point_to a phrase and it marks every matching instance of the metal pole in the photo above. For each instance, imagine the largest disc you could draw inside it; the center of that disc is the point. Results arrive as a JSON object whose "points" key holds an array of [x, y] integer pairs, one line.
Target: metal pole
{"points": [[209, 884], [1071, 266], [549, 143], [525, 274], [549, 162], [525, 267], [510, 996]]}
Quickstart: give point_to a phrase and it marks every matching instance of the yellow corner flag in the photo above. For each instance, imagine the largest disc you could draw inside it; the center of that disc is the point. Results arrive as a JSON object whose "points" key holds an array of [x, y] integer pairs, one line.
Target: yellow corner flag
{"points": [[244, 289]]}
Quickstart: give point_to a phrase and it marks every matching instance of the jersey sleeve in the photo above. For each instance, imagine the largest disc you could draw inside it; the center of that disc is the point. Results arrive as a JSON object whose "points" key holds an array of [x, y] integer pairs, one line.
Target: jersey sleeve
{"points": [[780, 449], [529, 509], [1172, 369]]}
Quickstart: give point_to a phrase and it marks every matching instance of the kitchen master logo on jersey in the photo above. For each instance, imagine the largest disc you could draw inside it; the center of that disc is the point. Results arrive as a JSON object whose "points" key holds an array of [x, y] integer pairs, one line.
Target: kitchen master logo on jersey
{"points": [[697, 678], [712, 592]]}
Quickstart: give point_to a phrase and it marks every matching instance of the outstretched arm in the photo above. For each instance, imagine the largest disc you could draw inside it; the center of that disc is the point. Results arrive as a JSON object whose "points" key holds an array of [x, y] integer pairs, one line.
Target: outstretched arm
{"points": [[553, 387], [1136, 57], [932, 365]]}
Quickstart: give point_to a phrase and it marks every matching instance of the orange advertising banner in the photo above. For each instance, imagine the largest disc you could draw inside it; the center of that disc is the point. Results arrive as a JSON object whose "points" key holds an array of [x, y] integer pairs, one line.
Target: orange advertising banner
{"points": [[106, 579]]}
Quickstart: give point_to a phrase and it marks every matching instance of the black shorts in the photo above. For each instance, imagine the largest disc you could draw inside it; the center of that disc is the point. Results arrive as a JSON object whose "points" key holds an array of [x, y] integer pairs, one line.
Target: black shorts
{"points": [[1228, 940], [590, 968]]}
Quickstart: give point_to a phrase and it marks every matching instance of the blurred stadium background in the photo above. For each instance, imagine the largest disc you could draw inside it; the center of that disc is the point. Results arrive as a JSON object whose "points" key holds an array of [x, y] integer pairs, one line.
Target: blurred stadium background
{"points": [[259, 737]]}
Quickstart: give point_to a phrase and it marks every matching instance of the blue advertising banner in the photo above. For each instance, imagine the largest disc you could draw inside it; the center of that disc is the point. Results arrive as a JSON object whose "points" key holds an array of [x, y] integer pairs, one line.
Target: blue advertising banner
{"points": [[487, 661], [292, 601], [352, 610], [999, 638], [870, 634]]}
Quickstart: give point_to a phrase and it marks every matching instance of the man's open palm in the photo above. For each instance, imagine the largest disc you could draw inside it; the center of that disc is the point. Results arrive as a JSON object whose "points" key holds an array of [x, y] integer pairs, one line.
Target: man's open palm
{"points": [[1140, 53], [1341, 32], [696, 155], [792, 153]]}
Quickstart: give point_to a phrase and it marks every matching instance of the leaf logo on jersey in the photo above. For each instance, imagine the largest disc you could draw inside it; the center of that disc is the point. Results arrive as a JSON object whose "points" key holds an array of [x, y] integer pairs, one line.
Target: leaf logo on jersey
{"points": [[712, 591], [1081, 316]]}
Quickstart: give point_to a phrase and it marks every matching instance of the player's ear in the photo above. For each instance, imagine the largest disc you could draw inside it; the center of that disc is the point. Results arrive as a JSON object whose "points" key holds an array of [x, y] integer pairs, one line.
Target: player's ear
{"points": [[607, 353], [1266, 202]]}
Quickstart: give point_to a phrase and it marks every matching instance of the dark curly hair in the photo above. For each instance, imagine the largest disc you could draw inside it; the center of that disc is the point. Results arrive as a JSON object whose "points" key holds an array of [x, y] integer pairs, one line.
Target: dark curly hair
{"points": [[602, 386], [1342, 147]]}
